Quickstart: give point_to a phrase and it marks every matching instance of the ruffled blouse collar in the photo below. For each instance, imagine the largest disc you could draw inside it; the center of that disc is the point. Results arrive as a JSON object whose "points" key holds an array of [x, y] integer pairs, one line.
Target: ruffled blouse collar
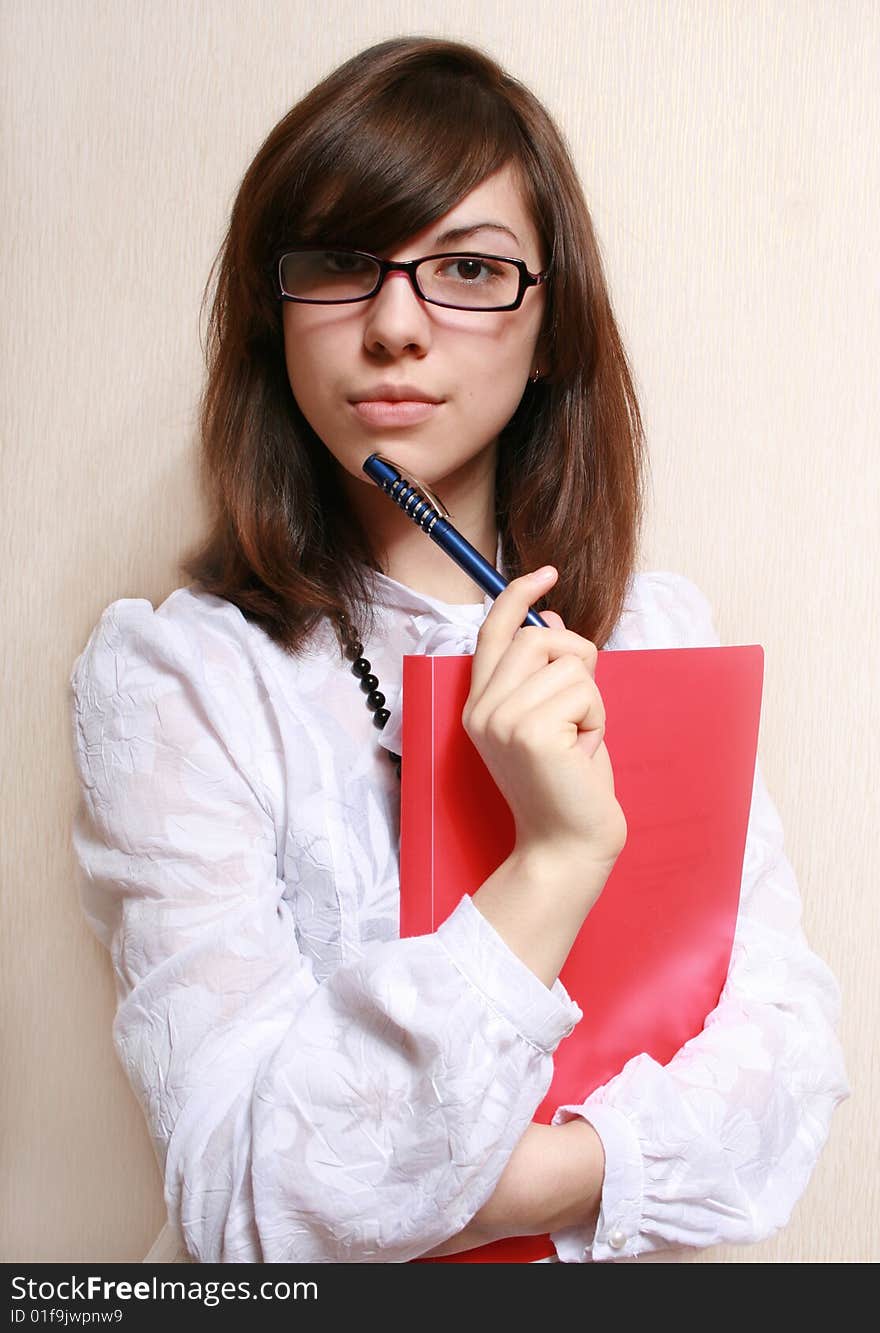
{"points": [[415, 623], [397, 596]]}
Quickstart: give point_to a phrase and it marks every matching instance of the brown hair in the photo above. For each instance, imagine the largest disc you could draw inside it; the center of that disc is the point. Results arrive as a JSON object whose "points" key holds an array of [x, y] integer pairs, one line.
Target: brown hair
{"points": [[382, 147]]}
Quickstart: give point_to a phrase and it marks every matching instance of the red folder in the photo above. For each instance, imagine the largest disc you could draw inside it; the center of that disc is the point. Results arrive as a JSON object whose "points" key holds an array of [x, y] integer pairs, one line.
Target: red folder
{"points": [[651, 959]]}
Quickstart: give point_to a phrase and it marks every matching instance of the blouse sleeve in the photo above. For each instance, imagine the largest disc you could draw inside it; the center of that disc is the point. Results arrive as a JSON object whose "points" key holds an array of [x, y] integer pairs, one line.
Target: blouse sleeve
{"points": [[717, 1146], [362, 1118]]}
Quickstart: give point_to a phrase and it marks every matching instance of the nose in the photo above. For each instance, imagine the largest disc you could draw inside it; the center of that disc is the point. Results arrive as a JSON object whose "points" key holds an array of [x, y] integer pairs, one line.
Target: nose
{"points": [[396, 318]]}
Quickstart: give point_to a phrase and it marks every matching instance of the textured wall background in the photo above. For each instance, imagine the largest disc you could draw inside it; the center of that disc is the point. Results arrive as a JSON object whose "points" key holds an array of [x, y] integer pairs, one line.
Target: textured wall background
{"points": [[728, 153]]}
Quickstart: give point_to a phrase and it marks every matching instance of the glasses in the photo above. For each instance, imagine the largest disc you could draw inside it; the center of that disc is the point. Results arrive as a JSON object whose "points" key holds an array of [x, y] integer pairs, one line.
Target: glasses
{"points": [[318, 276]]}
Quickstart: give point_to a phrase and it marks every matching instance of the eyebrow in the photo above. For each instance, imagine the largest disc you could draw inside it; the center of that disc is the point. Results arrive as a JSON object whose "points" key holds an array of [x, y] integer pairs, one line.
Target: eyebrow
{"points": [[459, 233]]}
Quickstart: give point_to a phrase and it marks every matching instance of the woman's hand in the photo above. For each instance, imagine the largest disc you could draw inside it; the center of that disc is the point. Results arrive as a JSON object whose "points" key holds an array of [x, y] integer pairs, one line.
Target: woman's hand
{"points": [[553, 1179], [536, 717]]}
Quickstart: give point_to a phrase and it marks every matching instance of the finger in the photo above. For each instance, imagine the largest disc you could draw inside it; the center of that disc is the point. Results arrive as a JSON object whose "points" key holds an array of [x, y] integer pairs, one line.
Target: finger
{"points": [[529, 653], [554, 619], [566, 714], [575, 644], [505, 617], [524, 685]]}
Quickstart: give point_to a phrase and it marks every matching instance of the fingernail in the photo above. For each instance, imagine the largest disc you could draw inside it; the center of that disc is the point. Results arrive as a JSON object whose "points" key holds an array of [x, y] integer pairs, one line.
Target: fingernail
{"points": [[545, 572]]}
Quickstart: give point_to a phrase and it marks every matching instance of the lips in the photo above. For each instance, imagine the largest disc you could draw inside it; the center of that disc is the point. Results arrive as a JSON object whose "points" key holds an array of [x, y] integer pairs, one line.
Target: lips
{"points": [[395, 393], [387, 412]]}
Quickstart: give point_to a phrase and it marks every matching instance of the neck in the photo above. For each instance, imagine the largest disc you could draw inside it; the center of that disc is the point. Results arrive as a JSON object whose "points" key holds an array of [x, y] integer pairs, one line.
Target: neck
{"points": [[405, 553]]}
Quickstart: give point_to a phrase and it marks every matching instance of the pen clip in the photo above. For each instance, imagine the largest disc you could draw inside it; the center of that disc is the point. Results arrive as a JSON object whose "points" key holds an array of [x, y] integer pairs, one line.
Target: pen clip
{"points": [[413, 482]]}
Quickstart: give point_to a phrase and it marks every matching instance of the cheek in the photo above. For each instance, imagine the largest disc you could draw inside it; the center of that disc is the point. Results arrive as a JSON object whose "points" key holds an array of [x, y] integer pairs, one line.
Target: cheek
{"points": [[517, 342], [293, 342], [298, 370], [307, 361], [499, 368], [495, 388]]}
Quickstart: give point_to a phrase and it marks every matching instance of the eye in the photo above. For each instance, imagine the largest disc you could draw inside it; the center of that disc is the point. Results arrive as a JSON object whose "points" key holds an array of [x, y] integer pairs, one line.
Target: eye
{"points": [[467, 269], [341, 261]]}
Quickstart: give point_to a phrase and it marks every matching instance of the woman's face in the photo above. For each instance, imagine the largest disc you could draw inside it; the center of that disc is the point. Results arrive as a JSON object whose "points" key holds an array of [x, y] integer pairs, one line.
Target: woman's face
{"points": [[476, 363]]}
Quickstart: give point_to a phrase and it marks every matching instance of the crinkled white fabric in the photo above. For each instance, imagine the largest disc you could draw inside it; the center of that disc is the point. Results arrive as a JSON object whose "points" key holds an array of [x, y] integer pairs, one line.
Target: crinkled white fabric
{"points": [[316, 1088]]}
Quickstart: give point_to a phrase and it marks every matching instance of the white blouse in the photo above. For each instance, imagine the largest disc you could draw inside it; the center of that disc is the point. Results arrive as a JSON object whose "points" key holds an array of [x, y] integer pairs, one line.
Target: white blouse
{"points": [[316, 1088]]}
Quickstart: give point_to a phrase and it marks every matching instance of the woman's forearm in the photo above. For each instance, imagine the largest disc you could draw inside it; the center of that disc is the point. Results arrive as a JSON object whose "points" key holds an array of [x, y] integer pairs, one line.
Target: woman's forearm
{"points": [[552, 1180]]}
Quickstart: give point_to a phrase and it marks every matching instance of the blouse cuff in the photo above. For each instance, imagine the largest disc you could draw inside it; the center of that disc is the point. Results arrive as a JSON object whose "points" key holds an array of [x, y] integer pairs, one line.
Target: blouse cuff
{"points": [[543, 1017], [616, 1233]]}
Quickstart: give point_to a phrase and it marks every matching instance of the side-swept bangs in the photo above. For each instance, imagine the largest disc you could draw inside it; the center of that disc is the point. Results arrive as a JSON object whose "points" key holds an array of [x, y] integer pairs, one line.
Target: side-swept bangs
{"points": [[387, 168]]}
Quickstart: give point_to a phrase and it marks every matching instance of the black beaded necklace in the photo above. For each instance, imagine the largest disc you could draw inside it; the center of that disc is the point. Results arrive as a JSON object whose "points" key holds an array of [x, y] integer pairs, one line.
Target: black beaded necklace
{"points": [[369, 683]]}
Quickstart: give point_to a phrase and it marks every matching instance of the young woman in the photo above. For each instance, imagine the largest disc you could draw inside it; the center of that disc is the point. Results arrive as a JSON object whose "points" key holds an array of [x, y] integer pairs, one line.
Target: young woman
{"points": [[317, 1088]]}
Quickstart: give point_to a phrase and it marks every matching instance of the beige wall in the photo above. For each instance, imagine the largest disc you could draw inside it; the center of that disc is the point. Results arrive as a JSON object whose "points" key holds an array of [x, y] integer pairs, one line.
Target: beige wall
{"points": [[728, 151]]}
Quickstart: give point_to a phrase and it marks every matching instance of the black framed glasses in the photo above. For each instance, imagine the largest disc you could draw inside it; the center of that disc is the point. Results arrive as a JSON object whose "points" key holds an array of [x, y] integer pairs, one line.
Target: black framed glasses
{"points": [[320, 275]]}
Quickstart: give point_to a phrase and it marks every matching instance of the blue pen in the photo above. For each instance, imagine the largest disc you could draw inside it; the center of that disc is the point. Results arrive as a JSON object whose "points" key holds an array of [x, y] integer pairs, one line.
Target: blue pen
{"points": [[426, 510]]}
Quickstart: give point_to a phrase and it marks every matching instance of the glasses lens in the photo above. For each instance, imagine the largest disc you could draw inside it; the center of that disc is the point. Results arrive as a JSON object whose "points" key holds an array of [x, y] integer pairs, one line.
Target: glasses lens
{"points": [[469, 282], [327, 275]]}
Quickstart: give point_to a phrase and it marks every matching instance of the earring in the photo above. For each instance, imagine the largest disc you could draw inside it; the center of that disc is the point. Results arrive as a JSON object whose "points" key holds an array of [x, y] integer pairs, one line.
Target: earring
{"points": [[533, 379]]}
